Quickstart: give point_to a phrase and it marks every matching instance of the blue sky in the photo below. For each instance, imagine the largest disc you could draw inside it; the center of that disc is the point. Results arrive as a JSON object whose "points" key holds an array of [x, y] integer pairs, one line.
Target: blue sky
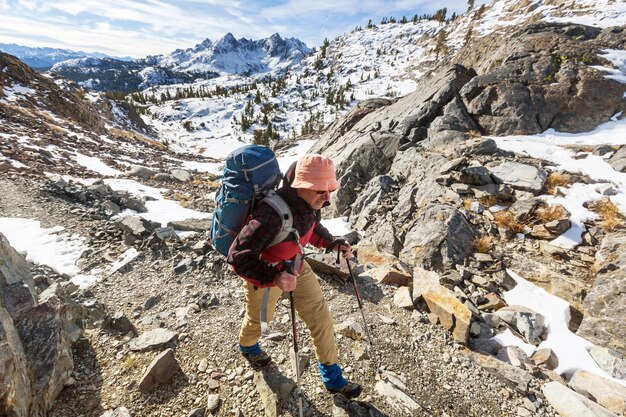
{"points": [[143, 27]]}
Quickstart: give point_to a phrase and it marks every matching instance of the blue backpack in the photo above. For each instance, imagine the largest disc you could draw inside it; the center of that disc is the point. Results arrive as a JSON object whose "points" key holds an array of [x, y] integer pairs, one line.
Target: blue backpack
{"points": [[251, 175]]}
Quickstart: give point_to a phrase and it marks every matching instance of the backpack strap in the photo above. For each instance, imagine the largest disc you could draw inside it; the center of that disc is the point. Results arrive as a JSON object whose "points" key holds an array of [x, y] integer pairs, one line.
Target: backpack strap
{"points": [[280, 206]]}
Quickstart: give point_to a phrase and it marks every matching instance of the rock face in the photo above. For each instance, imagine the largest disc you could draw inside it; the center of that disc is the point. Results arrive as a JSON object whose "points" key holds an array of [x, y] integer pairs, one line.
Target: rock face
{"points": [[36, 335], [539, 77], [605, 305]]}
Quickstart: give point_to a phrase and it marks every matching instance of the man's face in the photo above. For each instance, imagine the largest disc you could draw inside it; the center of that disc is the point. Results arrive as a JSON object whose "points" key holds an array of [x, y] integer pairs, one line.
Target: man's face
{"points": [[316, 199]]}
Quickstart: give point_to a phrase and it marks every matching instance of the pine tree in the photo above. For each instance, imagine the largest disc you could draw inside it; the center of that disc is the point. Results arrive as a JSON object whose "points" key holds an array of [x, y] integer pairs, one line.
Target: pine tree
{"points": [[369, 24], [468, 35], [440, 46], [470, 5]]}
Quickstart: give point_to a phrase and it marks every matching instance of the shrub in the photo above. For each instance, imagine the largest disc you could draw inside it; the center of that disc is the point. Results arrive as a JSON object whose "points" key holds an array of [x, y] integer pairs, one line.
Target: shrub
{"points": [[609, 213], [483, 244], [507, 220], [546, 213], [556, 179]]}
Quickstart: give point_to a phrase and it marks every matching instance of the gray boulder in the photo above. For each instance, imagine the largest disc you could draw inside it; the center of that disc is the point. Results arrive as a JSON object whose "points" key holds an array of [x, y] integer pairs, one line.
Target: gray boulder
{"points": [[181, 175], [609, 361], [135, 226], [604, 322], [141, 172], [160, 370], [618, 160], [571, 404], [520, 176], [152, 339], [605, 392], [439, 239], [529, 324], [191, 225]]}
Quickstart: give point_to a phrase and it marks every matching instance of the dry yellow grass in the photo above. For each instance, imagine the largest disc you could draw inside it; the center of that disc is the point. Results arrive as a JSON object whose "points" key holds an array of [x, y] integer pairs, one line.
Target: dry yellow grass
{"points": [[133, 136], [483, 244], [556, 179], [609, 213], [474, 134], [182, 198], [546, 213], [488, 201], [507, 220], [130, 362]]}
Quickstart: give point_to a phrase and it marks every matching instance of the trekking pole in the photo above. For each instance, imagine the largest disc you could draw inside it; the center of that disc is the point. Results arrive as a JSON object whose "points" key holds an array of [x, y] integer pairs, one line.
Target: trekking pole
{"points": [[289, 269], [358, 298]]}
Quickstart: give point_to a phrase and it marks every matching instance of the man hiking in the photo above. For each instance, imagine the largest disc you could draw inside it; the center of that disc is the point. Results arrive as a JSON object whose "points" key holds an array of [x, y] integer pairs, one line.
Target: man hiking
{"points": [[270, 270]]}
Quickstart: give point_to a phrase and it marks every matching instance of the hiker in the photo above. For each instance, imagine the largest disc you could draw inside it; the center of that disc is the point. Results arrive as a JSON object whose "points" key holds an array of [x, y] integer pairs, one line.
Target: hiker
{"points": [[306, 190]]}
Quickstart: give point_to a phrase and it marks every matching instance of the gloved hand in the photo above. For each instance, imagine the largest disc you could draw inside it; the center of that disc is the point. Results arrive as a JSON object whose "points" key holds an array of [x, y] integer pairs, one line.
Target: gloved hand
{"points": [[344, 246]]}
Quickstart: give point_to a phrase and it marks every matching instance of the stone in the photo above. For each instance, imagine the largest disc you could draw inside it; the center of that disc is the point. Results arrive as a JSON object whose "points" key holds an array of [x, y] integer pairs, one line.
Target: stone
{"points": [[529, 324], [181, 175], [198, 412], [485, 346], [118, 412], [160, 370], [324, 264], [212, 402], [453, 315], [166, 233], [452, 165], [609, 361], [545, 358], [273, 388], [571, 404], [618, 160], [540, 231], [515, 356], [152, 339], [343, 407], [120, 323], [520, 176], [141, 172], [110, 208], [390, 276], [402, 298], [604, 322], [191, 225], [396, 396], [350, 328], [609, 394], [493, 302], [135, 226], [135, 204], [558, 226], [514, 377], [303, 362], [476, 175]]}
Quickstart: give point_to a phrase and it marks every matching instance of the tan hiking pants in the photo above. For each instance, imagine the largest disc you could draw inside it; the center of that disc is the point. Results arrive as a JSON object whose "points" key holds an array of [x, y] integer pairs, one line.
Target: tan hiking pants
{"points": [[311, 308]]}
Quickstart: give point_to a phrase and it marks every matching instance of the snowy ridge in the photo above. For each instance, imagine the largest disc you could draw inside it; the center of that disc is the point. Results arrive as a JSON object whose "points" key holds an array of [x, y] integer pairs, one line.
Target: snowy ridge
{"points": [[236, 56]]}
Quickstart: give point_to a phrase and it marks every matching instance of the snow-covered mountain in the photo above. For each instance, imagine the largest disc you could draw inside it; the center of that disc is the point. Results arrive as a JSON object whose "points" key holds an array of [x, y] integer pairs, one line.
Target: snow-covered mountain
{"points": [[47, 57], [236, 56], [255, 58]]}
